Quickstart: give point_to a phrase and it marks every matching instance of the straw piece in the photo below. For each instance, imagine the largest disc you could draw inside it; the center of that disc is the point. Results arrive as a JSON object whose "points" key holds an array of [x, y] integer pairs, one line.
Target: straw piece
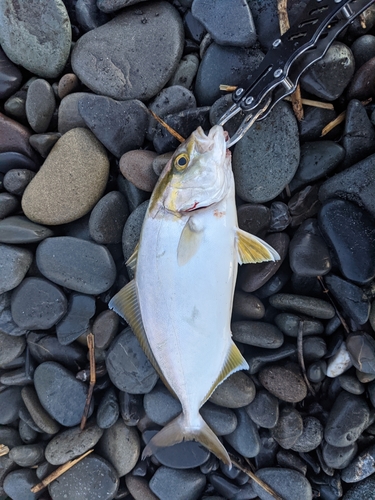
{"points": [[91, 346], [4, 450], [339, 119], [167, 127], [310, 102]]}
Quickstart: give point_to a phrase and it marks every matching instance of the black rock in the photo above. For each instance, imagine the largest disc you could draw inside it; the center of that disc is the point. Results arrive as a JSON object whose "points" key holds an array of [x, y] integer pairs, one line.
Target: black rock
{"points": [[361, 347], [131, 408], [350, 297], [362, 84], [185, 484], [257, 357], [38, 414], [89, 16], [108, 409], [311, 437], [314, 121], [108, 218], [257, 334], [76, 322], [10, 403], [317, 308], [104, 328], [45, 347], [19, 229], [290, 324], [338, 458], [276, 282], [361, 467], [8, 204], [27, 455], [245, 438], [359, 134], [10, 76]]}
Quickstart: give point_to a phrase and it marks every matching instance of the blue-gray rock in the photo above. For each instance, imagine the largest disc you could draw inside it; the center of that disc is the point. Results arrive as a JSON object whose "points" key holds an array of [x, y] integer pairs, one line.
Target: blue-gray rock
{"points": [[276, 282], [258, 357], [254, 218], [108, 218], [274, 150], [9, 203], [363, 490], [14, 138], [138, 487], [69, 116], [127, 365], [245, 438], [361, 348], [314, 121], [45, 347], [16, 180], [362, 466], [39, 415], [18, 484], [104, 328], [185, 484], [10, 403], [280, 216], [14, 264], [60, 393], [82, 266], [311, 437], [317, 308], [38, 304], [114, 5], [160, 406], [15, 106], [93, 477], [316, 371], [338, 458], [133, 195], [131, 408], [76, 322], [351, 384], [10, 348], [219, 22], [19, 229], [227, 488], [350, 231], [120, 126], [236, 391], [132, 229], [222, 420], [318, 80], [348, 418], [291, 323], [9, 437], [43, 143], [40, 105], [186, 71], [27, 455], [289, 427], [257, 333], [89, 16], [10, 77], [46, 53], [314, 348], [224, 64], [7, 324], [359, 134], [264, 410], [287, 483], [126, 58], [108, 409], [363, 49]]}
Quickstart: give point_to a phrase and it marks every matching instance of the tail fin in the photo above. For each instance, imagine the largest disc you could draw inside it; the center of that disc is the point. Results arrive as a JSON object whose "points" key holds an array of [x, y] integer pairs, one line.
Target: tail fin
{"points": [[179, 430]]}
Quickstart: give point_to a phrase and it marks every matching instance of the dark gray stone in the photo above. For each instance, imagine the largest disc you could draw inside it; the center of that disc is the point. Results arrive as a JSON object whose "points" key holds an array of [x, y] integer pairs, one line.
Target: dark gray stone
{"points": [[222, 420], [363, 49], [257, 334], [8, 204], [132, 229], [160, 406], [104, 328], [317, 308], [10, 348], [315, 119], [314, 348], [351, 384], [247, 306], [185, 484], [264, 410], [285, 382], [39, 415], [289, 427], [76, 322], [365, 489], [350, 297], [361, 467], [69, 115], [286, 482], [27, 455], [361, 348], [18, 484], [359, 134], [16, 180], [108, 218], [362, 85], [338, 458], [10, 76], [236, 391], [40, 105], [311, 437], [43, 143], [10, 403], [45, 347], [19, 229], [89, 16], [291, 323], [257, 357], [245, 438], [108, 409]]}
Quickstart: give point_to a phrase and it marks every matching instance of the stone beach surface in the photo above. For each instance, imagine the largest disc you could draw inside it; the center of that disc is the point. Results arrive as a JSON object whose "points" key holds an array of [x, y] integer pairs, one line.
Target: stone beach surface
{"points": [[79, 157]]}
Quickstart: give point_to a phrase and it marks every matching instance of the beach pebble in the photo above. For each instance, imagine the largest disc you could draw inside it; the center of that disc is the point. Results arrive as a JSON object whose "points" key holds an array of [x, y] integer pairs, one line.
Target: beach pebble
{"points": [[284, 382], [185, 484], [186, 71], [136, 166], [365, 489], [316, 371], [340, 362], [72, 443], [264, 410], [362, 466], [236, 391], [44, 347], [76, 322], [286, 482], [247, 306], [27, 455], [10, 348], [37, 412], [245, 438], [160, 406], [108, 218], [127, 365], [89, 16], [314, 348], [14, 264], [357, 146], [351, 384], [43, 143], [275, 153], [361, 349], [289, 427], [311, 437], [40, 105], [10, 402], [338, 458], [16, 180], [139, 488], [82, 266], [315, 119], [108, 409], [14, 138], [362, 86], [69, 116], [38, 304], [140, 63], [258, 357], [93, 477], [60, 393], [18, 229], [257, 334], [363, 49], [132, 229], [254, 218], [9, 203], [18, 484], [104, 328], [317, 308], [222, 420], [120, 445], [290, 324], [68, 83], [350, 297], [10, 76]]}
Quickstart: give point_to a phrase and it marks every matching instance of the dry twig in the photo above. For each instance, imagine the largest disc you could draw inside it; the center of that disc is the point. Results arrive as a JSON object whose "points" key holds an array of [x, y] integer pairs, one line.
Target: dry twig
{"points": [[311, 102], [326, 291], [58, 472], [4, 450], [167, 127], [300, 357], [362, 20], [91, 346], [339, 119]]}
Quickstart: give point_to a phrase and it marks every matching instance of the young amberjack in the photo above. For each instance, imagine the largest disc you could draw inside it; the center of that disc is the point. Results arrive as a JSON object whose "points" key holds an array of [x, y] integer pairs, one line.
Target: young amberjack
{"points": [[179, 304]]}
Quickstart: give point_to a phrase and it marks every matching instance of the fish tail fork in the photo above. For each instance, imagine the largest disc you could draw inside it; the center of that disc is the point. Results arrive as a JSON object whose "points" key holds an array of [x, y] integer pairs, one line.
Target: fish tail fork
{"points": [[180, 429]]}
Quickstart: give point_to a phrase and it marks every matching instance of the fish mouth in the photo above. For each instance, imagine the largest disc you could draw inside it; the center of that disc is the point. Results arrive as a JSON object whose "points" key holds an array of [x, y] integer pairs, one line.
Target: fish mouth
{"points": [[205, 143]]}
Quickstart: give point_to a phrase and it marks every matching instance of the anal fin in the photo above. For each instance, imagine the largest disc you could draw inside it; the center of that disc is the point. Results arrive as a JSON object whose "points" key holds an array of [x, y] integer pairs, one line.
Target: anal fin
{"points": [[252, 249]]}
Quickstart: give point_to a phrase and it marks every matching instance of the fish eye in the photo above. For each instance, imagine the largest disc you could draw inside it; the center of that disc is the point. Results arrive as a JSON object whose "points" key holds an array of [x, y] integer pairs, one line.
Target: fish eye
{"points": [[181, 161]]}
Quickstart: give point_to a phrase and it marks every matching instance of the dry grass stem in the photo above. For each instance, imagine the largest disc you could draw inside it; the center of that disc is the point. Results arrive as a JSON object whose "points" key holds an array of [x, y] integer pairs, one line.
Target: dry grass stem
{"points": [[339, 119], [311, 102], [326, 291], [58, 472], [227, 88], [4, 450], [91, 346], [362, 20], [300, 357], [167, 127]]}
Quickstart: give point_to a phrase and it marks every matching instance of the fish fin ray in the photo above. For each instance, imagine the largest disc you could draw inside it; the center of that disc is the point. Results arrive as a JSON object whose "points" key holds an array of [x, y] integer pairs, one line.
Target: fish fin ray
{"points": [[132, 260], [233, 363], [125, 303], [179, 430], [188, 245], [252, 249]]}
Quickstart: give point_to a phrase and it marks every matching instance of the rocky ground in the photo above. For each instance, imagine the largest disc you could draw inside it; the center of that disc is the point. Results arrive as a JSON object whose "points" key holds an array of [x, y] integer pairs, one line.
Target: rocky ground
{"points": [[79, 157]]}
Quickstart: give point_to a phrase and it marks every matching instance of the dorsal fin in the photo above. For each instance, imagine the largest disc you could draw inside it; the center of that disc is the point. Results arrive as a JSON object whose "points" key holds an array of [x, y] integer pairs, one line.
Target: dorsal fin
{"points": [[252, 249], [132, 260], [125, 304]]}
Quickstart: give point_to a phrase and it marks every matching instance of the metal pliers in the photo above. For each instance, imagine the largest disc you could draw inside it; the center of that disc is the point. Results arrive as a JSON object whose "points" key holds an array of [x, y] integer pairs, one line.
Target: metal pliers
{"points": [[303, 44]]}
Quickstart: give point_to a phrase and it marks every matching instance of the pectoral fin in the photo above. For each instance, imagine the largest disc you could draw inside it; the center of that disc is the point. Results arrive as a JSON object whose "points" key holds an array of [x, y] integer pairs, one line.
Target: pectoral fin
{"points": [[252, 249], [125, 304], [132, 260], [190, 240]]}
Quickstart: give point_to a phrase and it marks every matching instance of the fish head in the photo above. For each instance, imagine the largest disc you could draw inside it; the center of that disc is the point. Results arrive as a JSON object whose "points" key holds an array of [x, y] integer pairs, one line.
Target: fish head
{"points": [[199, 173]]}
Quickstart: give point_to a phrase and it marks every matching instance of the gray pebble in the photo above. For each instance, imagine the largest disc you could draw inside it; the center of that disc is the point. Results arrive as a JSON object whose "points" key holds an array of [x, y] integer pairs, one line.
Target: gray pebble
{"points": [[314, 348], [43, 143], [257, 357], [8, 204], [40, 105], [285, 382], [360, 467], [132, 229], [104, 328], [27, 455], [236, 391], [317, 371], [108, 409], [69, 115], [108, 218], [160, 161], [257, 334], [311, 437], [185, 484], [351, 384], [311, 306], [10, 404], [18, 484], [288, 483], [186, 71], [338, 458], [139, 488], [9, 437], [289, 427], [291, 323], [357, 147], [16, 180], [160, 406], [245, 438], [10, 348], [27, 433], [37, 412], [363, 49], [222, 420], [19, 229], [76, 322], [363, 490], [264, 410], [247, 306], [361, 348]]}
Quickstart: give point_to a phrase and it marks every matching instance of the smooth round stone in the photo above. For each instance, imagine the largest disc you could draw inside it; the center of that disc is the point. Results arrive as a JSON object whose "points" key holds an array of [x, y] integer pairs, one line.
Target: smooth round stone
{"points": [[14, 138], [264, 410], [338, 458], [120, 445], [257, 334], [69, 116], [303, 204], [362, 490], [276, 282], [104, 328], [70, 182], [280, 216], [257, 357], [119, 126], [10, 348], [284, 382], [218, 20], [363, 49], [10, 76], [108, 218], [248, 306], [131, 408], [339, 362], [18, 229], [254, 218], [160, 161], [357, 147], [314, 348], [290, 324], [43, 143], [72, 443], [17, 376], [236, 391], [287, 483], [139, 488], [40, 105], [224, 64], [317, 371], [14, 264], [222, 420], [343, 223], [141, 61], [8, 204], [76, 322], [356, 183], [68, 83], [253, 276], [27, 455], [274, 151], [361, 467], [136, 166], [44, 55], [18, 484], [225, 488], [185, 484], [364, 378], [60, 393], [289, 427], [89, 16], [82, 266], [132, 229], [16, 180], [93, 477], [350, 298], [351, 384], [9, 437], [10, 403], [362, 85], [348, 418], [127, 365], [311, 437], [160, 406], [37, 412], [45, 347], [314, 121], [15, 106], [245, 438], [186, 71], [361, 348], [37, 304], [318, 80], [108, 409], [311, 306]]}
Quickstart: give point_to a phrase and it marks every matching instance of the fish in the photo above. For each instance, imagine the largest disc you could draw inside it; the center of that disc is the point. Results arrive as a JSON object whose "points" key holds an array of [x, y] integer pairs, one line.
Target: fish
{"points": [[179, 303]]}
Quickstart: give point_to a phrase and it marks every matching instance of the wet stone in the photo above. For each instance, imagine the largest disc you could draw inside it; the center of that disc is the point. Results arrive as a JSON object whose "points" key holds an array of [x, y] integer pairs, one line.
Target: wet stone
{"points": [[314, 348], [339, 362], [10, 403], [257, 357], [108, 409], [247, 306], [338, 458], [280, 217], [76, 322], [45, 347], [14, 138], [351, 384], [361, 466], [341, 223], [222, 420], [310, 306], [104, 328], [69, 116], [136, 166], [264, 410], [93, 477], [9, 437], [127, 365], [18, 484], [245, 438], [284, 382], [186, 71], [82, 266], [361, 348], [72, 443], [348, 418], [254, 218], [37, 412], [27, 433], [363, 49], [276, 282], [160, 406], [14, 263], [18, 229], [27, 455], [185, 484], [37, 304], [224, 487], [316, 371], [314, 121], [290, 324], [358, 145], [60, 393], [40, 105], [236, 391], [350, 297], [286, 482], [362, 84], [10, 76], [16, 180], [8, 204], [131, 408]]}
